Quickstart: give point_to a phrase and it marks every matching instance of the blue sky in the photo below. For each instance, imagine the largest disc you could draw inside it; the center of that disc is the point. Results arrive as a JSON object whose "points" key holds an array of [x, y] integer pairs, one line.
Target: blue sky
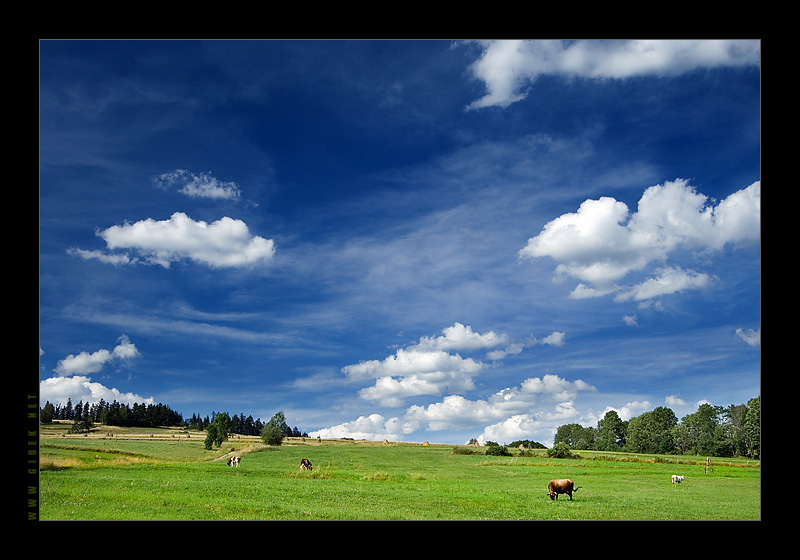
{"points": [[410, 240]]}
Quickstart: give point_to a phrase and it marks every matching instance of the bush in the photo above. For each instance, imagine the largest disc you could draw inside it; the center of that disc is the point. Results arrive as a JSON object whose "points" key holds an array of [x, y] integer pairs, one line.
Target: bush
{"points": [[81, 426], [560, 451], [465, 451], [271, 435], [498, 450], [218, 430]]}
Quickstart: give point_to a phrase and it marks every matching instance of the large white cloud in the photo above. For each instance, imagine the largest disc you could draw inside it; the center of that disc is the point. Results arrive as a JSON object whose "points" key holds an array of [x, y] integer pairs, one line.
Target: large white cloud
{"points": [[635, 408], [224, 243], [533, 409], [508, 67], [429, 367], [86, 362], [372, 427], [412, 372], [536, 426], [602, 242], [461, 337], [455, 412], [71, 380], [80, 388], [411, 361], [555, 387]]}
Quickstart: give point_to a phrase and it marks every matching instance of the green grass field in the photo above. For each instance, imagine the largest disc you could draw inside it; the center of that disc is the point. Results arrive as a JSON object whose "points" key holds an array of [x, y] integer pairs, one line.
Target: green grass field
{"points": [[163, 475]]}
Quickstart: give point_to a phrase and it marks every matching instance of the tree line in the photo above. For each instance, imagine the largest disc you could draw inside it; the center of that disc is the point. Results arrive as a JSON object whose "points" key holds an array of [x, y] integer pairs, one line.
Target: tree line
{"points": [[733, 431], [245, 426], [85, 415], [222, 425]]}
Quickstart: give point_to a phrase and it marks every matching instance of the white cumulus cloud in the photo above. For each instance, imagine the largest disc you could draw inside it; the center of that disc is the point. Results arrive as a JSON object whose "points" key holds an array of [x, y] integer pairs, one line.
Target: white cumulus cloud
{"points": [[555, 338], [674, 400], [81, 388], [461, 337], [631, 409], [528, 426], [72, 382], [431, 368], [372, 427], [412, 372], [601, 243], [224, 243], [534, 408], [509, 67], [455, 411], [86, 362], [411, 361]]}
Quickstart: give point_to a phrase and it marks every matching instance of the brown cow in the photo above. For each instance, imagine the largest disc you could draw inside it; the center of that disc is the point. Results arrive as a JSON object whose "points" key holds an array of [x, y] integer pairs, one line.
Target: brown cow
{"points": [[561, 486], [305, 464], [234, 461]]}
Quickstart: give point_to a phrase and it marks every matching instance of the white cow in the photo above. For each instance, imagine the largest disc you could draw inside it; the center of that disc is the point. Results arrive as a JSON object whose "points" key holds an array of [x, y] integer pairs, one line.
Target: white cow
{"points": [[677, 479], [234, 461]]}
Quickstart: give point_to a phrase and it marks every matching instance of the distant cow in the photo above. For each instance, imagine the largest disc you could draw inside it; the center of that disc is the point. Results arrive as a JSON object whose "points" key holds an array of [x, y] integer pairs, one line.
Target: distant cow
{"points": [[677, 479], [561, 486], [234, 461], [305, 464]]}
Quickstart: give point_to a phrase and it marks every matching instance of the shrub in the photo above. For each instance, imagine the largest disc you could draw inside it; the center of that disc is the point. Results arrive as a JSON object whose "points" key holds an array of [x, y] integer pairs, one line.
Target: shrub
{"points": [[465, 451], [271, 435], [560, 451], [498, 450]]}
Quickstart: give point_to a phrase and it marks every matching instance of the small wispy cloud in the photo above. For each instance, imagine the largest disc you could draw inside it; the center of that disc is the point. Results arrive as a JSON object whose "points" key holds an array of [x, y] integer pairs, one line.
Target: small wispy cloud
{"points": [[750, 336], [203, 185]]}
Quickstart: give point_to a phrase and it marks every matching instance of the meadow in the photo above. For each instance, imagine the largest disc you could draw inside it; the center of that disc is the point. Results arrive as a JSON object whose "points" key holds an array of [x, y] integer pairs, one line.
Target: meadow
{"points": [[161, 474]]}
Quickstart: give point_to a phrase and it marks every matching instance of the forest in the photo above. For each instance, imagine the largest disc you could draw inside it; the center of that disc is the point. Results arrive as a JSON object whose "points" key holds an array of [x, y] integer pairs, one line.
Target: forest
{"points": [[733, 431], [85, 415]]}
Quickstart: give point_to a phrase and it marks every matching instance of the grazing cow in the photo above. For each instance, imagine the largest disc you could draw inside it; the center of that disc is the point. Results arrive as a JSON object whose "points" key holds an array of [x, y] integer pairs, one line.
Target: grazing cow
{"points": [[234, 461], [677, 479], [561, 486], [305, 464]]}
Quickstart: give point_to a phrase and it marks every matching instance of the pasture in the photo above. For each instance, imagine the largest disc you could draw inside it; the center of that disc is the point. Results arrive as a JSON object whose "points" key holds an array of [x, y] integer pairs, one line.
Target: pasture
{"points": [[168, 475]]}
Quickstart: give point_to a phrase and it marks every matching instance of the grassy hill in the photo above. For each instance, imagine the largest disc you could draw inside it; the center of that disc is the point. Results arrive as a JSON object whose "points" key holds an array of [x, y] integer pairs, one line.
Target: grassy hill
{"points": [[116, 473]]}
